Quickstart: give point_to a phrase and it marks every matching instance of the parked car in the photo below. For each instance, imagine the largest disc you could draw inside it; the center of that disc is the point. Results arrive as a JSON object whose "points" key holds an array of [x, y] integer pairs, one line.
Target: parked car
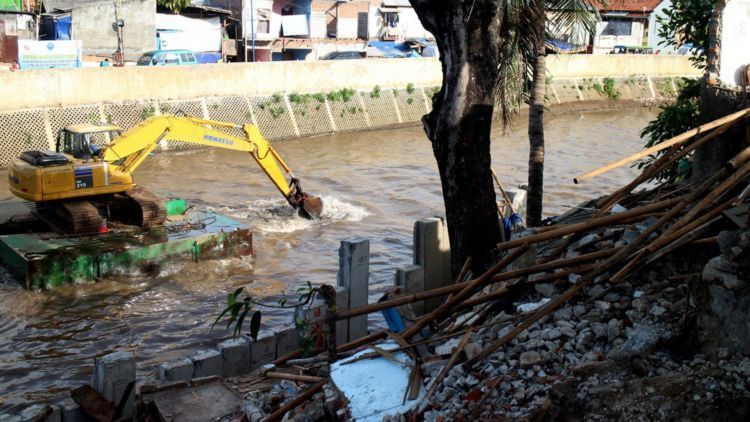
{"points": [[167, 58], [342, 55]]}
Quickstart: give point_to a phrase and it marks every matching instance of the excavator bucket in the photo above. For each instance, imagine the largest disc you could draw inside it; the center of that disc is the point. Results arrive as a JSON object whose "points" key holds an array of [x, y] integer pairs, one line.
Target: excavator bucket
{"points": [[312, 208]]}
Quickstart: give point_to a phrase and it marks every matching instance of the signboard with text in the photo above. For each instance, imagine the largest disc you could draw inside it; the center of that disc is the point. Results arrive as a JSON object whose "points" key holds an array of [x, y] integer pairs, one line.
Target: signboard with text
{"points": [[49, 54]]}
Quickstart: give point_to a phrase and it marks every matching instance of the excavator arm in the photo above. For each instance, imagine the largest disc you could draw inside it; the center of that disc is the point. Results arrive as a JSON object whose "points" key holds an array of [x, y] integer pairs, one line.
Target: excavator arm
{"points": [[128, 151]]}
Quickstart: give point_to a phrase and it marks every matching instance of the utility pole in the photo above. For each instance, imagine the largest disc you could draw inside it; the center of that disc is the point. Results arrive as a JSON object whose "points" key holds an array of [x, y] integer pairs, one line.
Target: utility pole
{"points": [[252, 26]]}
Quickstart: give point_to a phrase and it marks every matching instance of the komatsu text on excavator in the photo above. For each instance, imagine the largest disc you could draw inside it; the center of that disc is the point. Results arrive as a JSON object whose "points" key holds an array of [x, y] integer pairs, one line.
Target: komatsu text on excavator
{"points": [[78, 186]]}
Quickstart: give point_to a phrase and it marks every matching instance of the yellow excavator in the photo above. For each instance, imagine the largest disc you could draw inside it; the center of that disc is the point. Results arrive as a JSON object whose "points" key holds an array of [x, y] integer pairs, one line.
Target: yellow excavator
{"points": [[80, 184]]}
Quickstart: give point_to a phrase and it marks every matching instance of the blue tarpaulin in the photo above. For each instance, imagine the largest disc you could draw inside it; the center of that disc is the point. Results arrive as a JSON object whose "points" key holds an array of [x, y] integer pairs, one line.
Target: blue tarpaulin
{"points": [[207, 57], [391, 49], [55, 28]]}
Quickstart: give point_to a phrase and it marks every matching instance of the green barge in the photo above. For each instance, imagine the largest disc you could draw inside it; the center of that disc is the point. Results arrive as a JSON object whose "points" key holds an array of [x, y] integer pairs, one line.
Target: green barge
{"points": [[39, 258]]}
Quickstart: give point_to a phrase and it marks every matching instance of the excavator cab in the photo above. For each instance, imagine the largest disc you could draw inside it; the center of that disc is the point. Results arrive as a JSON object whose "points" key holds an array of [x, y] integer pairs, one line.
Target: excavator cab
{"points": [[82, 141]]}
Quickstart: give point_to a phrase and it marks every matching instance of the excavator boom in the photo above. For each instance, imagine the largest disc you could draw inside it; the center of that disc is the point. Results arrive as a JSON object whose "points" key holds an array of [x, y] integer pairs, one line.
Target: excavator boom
{"points": [[128, 151]]}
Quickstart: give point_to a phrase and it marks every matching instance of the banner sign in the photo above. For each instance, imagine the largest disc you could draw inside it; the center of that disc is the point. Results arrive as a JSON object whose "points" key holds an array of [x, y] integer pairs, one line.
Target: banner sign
{"points": [[49, 54]]}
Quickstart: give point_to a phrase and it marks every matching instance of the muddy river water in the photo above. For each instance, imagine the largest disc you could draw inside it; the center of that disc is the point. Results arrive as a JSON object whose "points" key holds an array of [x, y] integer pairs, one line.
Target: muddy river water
{"points": [[373, 184]]}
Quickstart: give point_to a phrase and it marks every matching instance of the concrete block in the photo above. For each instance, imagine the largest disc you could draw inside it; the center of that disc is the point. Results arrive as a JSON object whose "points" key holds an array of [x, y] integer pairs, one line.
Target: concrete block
{"points": [[71, 412], [34, 413], [432, 252], [410, 279], [342, 304], [354, 274], [112, 374], [206, 363], [235, 357], [263, 350], [287, 341], [177, 370]]}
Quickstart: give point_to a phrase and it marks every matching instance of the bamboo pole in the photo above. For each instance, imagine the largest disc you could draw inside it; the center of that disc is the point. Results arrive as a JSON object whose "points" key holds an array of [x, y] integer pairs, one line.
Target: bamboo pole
{"points": [[590, 224], [293, 377], [442, 291], [502, 191], [664, 145], [463, 294], [660, 164], [549, 307], [444, 371]]}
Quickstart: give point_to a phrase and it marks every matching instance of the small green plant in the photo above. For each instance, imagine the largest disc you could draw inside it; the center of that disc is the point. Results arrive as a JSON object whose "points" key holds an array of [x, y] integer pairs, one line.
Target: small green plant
{"points": [[248, 115], [276, 98], [166, 108], [395, 92], [410, 88], [431, 91], [317, 107], [410, 100], [303, 113], [353, 110], [548, 80], [28, 139], [147, 112], [276, 112], [375, 92], [295, 98], [580, 87], [320, 97], [215, 106], [609, 88]]}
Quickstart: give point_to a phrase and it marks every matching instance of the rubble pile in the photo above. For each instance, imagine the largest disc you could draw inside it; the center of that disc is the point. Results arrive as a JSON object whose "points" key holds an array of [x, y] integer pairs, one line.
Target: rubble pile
{"points": [[632, 306]]}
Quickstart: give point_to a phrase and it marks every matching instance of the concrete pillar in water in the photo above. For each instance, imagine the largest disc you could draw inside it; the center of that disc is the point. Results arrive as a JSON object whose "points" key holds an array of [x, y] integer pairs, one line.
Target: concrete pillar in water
{"points": [[411, 280], [354, 274], [112, 374], [432, 253], [342, 304]]}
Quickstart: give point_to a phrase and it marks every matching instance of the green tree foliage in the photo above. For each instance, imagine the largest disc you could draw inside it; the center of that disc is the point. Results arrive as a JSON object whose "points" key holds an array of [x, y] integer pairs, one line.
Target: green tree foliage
{"points": [[174, 5], [686, 22], [674, 119]]}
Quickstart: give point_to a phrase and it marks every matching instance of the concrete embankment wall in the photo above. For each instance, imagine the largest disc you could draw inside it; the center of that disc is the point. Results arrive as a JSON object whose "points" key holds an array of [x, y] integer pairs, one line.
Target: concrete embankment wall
{"points": [[387, 92]]}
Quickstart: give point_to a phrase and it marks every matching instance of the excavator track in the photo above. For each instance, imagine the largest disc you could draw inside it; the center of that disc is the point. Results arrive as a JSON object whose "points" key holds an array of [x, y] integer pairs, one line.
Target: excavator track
{"points": [[139, 207], [71, 217]]}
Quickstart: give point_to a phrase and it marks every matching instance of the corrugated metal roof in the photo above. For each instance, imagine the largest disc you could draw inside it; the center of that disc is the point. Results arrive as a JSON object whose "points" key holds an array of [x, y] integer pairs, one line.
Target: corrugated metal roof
{"points": [[51, 5], [626, 5]]}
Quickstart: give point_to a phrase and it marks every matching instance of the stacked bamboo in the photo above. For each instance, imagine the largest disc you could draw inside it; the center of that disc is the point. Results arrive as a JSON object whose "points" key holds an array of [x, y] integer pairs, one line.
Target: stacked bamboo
{"points": [[670, 216]]}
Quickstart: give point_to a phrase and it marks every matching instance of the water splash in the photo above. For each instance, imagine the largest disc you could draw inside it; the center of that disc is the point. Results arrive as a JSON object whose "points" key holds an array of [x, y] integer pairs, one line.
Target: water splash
{"points": [[276, 216]]}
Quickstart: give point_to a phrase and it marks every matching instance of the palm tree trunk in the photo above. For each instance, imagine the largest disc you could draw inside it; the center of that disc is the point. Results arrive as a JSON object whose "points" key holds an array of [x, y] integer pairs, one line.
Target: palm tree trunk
{"points": [[534, 200]]}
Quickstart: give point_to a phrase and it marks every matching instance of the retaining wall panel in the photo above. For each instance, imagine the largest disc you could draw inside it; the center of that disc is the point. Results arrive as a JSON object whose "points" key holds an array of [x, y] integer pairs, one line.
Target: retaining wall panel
{"points": [[232, 110], [380, 107], [312, 117], [273, 117], [22, 131], [130, 113], [348, 115], [410, 104], [567, 90]]}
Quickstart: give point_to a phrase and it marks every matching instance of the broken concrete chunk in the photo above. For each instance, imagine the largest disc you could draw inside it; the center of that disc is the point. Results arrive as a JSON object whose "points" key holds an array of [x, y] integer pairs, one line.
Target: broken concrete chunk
{"points": [[529, 359], [546, 290], [642, 339]]}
